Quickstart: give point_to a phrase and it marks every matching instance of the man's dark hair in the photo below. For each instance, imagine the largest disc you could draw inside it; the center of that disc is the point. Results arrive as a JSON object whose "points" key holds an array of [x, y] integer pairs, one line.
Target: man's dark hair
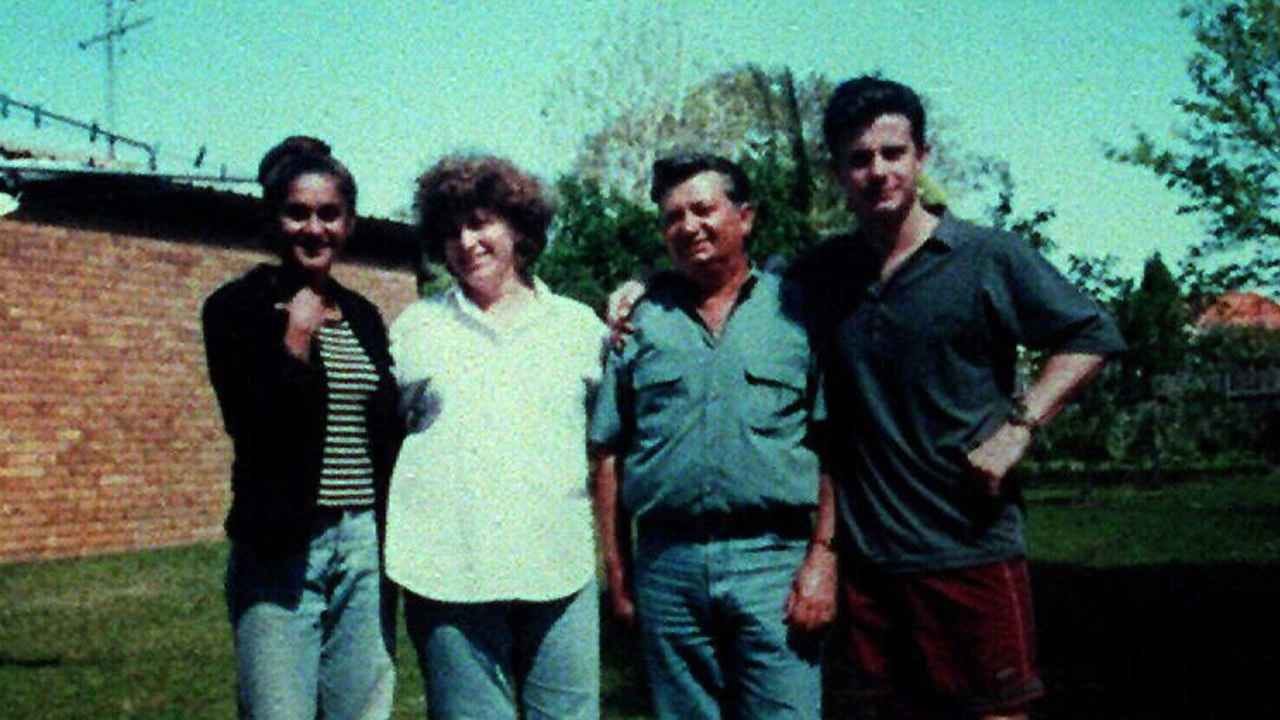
{"points": [[857, 103], [672, 170]]}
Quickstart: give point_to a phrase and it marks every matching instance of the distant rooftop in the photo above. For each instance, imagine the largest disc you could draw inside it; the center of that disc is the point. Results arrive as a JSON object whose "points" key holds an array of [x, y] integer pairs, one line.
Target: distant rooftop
{"points": [[1241, 309]]}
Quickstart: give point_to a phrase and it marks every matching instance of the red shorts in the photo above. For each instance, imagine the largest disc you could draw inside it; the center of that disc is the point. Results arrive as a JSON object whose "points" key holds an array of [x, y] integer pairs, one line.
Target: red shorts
{"points": [[964, 637]]}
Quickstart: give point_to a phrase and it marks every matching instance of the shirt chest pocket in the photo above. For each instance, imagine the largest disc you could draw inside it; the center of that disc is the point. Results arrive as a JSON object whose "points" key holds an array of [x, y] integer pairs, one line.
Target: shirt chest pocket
{"points": [[775, 397], [659, 391]]}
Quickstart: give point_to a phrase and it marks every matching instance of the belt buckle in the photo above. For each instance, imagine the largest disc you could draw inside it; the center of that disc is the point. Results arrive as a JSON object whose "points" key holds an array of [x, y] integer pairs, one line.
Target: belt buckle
{"points": [[717, 525]]}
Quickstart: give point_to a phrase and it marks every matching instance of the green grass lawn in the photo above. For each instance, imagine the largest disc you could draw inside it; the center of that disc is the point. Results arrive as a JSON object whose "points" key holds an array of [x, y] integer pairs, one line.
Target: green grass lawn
{"points": [[1203, 523], [1151, 603]]}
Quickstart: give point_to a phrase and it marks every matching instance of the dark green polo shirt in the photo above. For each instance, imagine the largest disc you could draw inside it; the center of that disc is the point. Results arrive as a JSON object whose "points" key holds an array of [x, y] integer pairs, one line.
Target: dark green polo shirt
{"points": [[921, 369], [706, 424]]}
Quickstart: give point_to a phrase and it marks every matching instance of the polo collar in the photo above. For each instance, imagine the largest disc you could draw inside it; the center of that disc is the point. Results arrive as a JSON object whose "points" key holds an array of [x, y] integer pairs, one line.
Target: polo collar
{"points": [[687, 290], [950, 232]]}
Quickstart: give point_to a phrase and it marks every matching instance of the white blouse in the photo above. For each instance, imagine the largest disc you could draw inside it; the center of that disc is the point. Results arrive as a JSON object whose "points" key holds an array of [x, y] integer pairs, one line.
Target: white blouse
{"points": [[489, 497]]}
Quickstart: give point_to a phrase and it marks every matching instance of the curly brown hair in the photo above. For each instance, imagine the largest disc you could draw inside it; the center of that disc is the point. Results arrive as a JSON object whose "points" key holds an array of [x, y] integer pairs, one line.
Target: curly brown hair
{"points": [[458, 185]]}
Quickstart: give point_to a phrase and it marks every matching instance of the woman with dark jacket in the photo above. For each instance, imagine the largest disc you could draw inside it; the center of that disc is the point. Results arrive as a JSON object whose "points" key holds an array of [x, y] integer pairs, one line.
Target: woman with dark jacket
{"points": [[303, 376]]}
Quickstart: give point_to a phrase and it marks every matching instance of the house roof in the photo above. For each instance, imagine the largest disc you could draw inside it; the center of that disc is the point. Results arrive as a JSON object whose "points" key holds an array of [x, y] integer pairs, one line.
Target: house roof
{"points": [[209, 207], [1241, 309]]}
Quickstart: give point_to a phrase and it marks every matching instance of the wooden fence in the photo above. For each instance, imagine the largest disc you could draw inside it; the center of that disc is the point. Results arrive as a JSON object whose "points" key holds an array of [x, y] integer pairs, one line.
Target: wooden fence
{"points": [[1246, 384]]}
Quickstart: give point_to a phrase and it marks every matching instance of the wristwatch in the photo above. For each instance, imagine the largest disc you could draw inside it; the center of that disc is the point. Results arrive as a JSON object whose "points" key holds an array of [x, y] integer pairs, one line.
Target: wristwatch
{"points": [[1020, 416]]}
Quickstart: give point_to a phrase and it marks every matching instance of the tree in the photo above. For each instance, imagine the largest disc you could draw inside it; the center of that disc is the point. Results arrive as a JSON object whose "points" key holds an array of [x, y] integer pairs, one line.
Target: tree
{"points": [[606, 228], [1156, 326], [1029, 227], [647, 93], [598, 240], [755, 114], [1225, 156], [747, 113], [644, 95], [768, 120], [1155, 323]]}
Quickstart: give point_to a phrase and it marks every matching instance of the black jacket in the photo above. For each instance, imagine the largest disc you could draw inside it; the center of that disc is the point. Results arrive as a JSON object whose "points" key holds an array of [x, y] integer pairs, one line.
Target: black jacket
{"points": [[273, 406]]}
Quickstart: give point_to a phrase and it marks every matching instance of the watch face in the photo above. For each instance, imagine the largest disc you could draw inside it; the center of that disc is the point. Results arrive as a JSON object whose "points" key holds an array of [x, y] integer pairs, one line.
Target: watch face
{"points": [[1019, 415]]}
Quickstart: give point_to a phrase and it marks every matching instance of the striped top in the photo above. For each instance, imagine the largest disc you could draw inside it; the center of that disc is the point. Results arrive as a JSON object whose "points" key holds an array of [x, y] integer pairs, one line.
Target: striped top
{"points": [[346, 471]]}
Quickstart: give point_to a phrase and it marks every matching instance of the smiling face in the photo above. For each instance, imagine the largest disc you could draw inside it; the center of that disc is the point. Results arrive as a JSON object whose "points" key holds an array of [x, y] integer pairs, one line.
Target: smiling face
{"points": [[702, 227], [481, 252], [878, 167], [314, 223]]}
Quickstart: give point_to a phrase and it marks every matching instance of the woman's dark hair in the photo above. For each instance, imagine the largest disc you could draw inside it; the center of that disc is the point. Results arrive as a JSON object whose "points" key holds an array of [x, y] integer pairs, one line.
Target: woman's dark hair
{"points": [[457, 186], [295, 156]]}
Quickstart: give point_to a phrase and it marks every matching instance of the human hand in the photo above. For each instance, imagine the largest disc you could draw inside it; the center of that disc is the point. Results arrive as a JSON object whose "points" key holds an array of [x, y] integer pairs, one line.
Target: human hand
{"points": [[618, 311], [620, 600], [306, 311], [420, 404], [811, 604], [992, 460]]}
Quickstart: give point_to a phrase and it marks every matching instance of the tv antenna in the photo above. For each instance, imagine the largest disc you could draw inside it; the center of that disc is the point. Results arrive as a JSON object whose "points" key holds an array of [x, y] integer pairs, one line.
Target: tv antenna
{"points": [[117, 24]]}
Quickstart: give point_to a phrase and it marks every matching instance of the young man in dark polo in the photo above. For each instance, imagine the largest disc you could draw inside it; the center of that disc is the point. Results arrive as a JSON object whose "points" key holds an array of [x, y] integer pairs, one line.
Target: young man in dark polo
{"points": [[926, 315]]}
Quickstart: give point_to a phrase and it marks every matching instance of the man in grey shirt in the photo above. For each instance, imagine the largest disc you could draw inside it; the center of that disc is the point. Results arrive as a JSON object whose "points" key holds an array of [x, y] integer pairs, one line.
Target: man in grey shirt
{"points": [[702, 435]]}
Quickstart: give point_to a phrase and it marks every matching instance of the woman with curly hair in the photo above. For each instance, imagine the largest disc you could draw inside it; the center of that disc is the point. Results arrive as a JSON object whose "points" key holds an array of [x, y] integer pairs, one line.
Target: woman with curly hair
{"points": [[489, 525], [302, 371]]}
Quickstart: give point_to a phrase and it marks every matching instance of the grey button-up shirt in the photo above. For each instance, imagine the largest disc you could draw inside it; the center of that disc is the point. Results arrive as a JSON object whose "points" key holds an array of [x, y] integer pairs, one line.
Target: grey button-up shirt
{"points": [[706, 424]]}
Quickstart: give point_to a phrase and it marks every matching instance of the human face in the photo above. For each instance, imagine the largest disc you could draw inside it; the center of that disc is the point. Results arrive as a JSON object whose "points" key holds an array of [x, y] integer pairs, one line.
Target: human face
{"points": [[314, 222], [702, 227], [878, 166], [481, 252]]}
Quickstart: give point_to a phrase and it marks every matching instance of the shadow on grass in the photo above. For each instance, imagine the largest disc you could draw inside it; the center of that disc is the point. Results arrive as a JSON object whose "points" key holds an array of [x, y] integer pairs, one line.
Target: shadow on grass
{"points": [[624, 689], [1161, 641], [30, 663]]}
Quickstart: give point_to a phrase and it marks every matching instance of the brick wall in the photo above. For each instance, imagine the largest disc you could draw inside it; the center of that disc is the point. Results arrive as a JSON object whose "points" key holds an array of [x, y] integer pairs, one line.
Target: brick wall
{"points": [[110, 437]]}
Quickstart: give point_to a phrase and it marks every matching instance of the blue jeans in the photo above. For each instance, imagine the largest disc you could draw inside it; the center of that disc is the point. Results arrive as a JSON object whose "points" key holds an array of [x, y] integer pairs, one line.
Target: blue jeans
{"points": [[314, 629], [478, 658], [713, 631]]}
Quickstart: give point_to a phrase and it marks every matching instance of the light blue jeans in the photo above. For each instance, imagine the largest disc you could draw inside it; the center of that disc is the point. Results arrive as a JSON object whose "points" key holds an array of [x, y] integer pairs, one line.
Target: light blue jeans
{"points": [[713, 631], [313, 629], [478, 658]]}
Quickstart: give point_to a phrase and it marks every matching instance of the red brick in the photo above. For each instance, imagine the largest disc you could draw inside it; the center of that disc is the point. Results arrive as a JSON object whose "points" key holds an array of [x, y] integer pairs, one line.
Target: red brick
{"points": [[110, 438]]}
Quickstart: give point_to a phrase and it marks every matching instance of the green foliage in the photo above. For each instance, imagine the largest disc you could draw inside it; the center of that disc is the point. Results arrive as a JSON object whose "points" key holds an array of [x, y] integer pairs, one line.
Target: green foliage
{"points": [[1155, 323], [606, 230], [770, 121], [1225, 155], [1218, 519], [599, 239], [1160, 405], [745, 112], [1031, 227], [1247, 347], [754, 115], [1098, 276]]}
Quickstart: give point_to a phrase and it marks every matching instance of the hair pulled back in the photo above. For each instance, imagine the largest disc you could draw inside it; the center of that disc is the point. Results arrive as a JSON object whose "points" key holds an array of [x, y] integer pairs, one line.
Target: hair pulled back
{"points": [[299, 155]]}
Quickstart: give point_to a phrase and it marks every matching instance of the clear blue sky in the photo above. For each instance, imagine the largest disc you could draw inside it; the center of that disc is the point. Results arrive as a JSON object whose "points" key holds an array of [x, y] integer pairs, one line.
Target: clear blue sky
{"points": [[1042, 84]]}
